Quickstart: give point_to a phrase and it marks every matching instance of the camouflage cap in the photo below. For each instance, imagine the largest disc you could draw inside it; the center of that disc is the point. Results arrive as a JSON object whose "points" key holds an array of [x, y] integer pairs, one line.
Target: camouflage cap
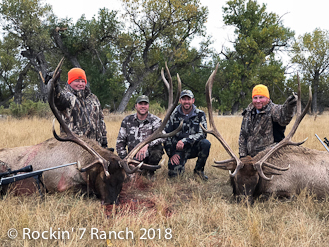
{"points": [[142, 98], [186, 92]]}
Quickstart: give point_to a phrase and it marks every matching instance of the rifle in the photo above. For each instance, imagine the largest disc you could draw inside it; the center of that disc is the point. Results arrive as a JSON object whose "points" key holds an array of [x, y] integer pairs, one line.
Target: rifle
{"points": [[325, 140], [34, 174], [24, 169]]}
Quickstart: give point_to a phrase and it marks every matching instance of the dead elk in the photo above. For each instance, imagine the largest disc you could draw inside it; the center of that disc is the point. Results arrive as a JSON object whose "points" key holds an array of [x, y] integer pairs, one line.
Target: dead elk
{"points": [[101, 171], [282, 170]]}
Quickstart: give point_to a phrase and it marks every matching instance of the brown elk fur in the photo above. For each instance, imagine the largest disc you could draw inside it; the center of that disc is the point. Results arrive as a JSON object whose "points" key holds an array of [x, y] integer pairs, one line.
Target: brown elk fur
{"points": [[309, 169], [52, 153]]}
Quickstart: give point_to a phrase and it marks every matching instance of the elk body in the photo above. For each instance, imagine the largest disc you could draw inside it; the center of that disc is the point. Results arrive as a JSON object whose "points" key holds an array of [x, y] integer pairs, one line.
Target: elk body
{"points": [[52, 153], [99, 170], [308, 169], [283, 170]]}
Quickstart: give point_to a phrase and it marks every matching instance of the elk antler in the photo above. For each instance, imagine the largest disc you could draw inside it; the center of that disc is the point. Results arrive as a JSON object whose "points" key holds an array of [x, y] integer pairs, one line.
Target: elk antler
{"points": [[169, 85], [70, 136], [214, 130], [287, 140], [158, 133]]}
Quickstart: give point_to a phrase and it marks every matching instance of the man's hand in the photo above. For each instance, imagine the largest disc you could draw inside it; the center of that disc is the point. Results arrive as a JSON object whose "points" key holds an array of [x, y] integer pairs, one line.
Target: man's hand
{"points": [[292, 100], [175, 159], [180, 145], [142, 153]]}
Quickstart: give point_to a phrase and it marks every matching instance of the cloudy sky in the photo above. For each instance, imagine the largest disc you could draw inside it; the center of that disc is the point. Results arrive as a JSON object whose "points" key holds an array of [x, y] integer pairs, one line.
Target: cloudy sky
{"points": [[301, 16]]}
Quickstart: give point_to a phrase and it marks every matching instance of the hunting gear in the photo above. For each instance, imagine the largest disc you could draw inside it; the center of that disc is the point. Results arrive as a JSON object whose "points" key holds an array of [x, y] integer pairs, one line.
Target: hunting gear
{"points": [[29, 173], [134, 129], [190, 142], [81, 109], [264, 122]]}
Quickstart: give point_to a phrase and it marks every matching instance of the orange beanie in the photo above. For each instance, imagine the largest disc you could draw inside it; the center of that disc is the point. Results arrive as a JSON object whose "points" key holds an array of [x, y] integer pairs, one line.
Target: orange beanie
{"points": [[76, 73], [260, 90]]}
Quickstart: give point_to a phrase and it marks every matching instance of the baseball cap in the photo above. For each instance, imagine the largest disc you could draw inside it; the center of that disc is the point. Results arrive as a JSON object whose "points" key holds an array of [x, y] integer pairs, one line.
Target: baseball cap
{"points": [[142, 98], [186, 92]]}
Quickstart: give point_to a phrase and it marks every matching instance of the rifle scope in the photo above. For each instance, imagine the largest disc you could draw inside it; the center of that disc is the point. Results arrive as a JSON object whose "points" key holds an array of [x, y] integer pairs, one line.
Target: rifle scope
{"points": [[24, 169]]}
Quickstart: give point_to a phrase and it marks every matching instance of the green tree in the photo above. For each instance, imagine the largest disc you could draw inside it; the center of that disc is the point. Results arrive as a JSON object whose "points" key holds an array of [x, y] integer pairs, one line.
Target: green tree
{"points": [[89, 44], [159, 31], [24, 23], [259, 35], [311, 54]]}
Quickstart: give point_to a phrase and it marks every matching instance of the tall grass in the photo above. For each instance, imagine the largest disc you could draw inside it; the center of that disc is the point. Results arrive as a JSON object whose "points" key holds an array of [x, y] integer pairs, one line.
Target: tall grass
{"points": [[186, 211]]}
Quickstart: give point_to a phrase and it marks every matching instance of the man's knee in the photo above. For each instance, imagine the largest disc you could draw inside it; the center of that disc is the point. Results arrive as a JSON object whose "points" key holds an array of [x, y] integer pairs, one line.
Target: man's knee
{"points": [[205, 145]]}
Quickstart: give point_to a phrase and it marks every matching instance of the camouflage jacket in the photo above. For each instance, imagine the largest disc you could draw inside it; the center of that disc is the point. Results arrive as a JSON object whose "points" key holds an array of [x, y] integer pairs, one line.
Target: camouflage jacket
{"points": [[191, 131], [134, 131], [82, 112], [257, 128]]}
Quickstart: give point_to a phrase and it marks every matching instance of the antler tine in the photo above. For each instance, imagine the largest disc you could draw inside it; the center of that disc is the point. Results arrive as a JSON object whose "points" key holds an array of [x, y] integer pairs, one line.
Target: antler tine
{"points": [[169, 85], [299, 104], [70, 136], [214, 130], [158, 133], [287, 140]]}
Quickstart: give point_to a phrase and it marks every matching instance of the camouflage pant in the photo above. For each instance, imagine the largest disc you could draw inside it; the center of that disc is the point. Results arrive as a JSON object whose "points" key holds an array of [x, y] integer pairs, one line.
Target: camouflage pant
{"points": [[199, 150]]}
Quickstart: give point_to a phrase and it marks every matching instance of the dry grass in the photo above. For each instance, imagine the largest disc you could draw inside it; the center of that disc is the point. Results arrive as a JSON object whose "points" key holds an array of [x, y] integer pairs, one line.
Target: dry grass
{"points": [[197, 213]]}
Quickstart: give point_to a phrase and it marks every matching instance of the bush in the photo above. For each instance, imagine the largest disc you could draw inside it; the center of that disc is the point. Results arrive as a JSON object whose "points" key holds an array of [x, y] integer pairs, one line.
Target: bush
{"points": [[29, 108], [156, 109]]}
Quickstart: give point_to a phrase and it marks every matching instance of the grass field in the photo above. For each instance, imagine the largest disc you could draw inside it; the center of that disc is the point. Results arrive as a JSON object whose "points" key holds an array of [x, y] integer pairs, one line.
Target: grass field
{"points": [[180, 212]]}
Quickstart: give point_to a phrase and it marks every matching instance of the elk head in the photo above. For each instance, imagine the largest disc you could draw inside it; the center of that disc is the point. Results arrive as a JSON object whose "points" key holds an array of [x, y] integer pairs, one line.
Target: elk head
{"points": [[106, 171], [247, 173]]}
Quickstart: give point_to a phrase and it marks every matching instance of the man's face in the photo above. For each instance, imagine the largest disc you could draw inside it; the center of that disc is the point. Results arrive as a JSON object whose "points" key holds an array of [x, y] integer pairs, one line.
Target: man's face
{"points": [[186, 102], [260, 101], [142, 108], [78, 84]]}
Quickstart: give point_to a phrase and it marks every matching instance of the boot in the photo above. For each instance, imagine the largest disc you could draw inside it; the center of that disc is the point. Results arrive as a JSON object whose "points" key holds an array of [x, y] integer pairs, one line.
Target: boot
{"points": [[201, 175]]}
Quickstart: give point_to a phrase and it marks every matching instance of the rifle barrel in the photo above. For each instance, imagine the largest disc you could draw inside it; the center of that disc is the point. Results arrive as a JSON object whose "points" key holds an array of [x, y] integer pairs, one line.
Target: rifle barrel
{"points": [[19, 177], [322, 142]]}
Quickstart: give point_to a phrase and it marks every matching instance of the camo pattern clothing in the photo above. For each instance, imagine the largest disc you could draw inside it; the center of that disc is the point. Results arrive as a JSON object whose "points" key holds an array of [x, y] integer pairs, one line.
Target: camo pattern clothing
{"points": [[82, 112], [193, 137], [257, 127], [134, 131]]}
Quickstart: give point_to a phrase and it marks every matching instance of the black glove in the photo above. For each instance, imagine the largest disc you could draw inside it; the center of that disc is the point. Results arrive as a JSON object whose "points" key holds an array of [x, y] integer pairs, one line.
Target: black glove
{"points": [[292, 100]]}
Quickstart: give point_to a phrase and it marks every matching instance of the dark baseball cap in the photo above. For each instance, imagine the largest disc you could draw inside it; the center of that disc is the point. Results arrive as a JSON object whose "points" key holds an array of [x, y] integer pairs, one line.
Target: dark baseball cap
{"points": [[186, 92], [142, 98]]}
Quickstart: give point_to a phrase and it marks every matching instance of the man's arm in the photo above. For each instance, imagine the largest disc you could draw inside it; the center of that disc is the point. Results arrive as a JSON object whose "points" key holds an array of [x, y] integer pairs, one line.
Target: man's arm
{"points": [[122, 140], [196, 132], [102, 126], [155, 125], [243, 151], [284, 113], [62, 98]]}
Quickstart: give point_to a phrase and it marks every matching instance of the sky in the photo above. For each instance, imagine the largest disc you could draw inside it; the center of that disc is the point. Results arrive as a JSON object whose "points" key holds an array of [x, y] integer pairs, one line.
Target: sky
{"points": [[301, 16]]}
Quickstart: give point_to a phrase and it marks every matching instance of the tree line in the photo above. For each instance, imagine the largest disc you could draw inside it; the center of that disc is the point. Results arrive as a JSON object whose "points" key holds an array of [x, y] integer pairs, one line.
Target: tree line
{"points": [[123, 55]]}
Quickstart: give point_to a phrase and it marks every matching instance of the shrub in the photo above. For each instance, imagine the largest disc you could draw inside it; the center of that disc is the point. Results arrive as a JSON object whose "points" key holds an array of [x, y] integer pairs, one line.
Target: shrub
{"points": [[29, 108]]}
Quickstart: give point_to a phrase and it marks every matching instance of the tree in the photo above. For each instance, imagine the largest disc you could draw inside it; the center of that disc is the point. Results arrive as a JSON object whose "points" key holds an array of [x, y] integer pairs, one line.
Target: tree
{"points": [[258, 36], [25, 24], [90, 45], [311, 54], [160, 31]]}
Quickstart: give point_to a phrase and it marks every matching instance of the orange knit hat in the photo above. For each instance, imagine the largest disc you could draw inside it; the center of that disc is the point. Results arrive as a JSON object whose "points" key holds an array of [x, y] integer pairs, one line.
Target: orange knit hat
{"points": [[260, 90], [76, 73]]}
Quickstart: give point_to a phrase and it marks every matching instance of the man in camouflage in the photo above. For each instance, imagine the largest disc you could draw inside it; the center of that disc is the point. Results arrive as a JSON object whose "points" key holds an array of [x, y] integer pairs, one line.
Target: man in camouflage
{"points": [[134, 129], [81, 109], [191, 141], [264, 122]]}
